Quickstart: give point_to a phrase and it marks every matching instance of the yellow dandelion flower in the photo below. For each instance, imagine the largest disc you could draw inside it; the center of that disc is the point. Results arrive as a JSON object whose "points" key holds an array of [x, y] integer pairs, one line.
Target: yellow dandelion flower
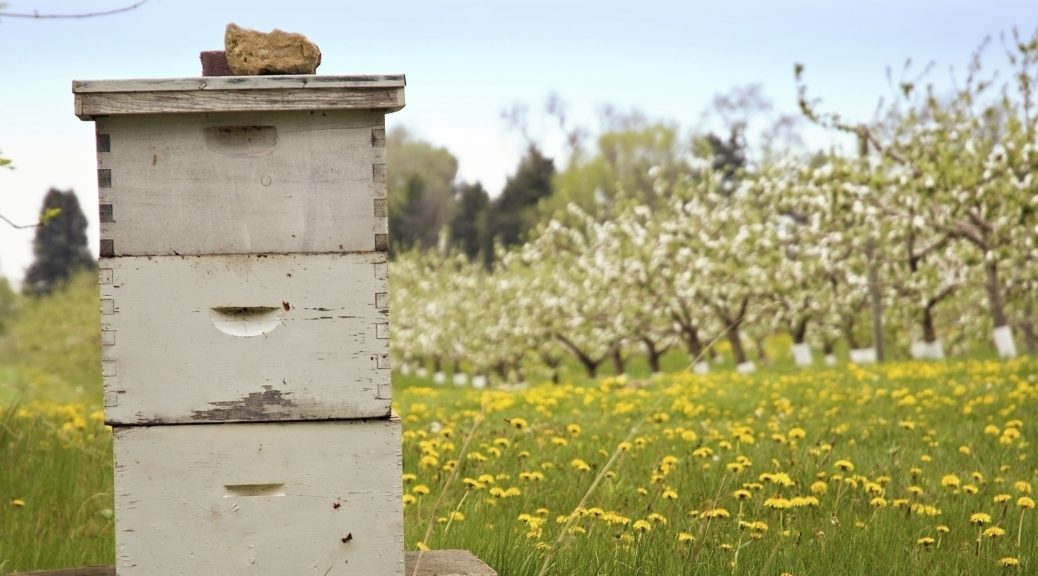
{"points": [[519, 423], [642, 526], [1008, 562], [994, 532], [670, 494], [941, 528], [777, 503], [878, 502], [685, 537], [408, 477], [657, 518], [580, 465], [950, 481], [980, 518], [421, 546], [457, 516], [1025, 502], [420, 489], [573, 429], [715, 513], [819, 487], [844, 465], [970, 489], [18, 503], [925, 541], [796, 433], [742, 494]]}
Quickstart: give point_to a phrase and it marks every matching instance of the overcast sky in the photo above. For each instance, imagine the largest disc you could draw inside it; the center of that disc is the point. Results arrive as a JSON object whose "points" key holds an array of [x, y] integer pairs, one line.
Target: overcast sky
{"points": [[467, 60]]}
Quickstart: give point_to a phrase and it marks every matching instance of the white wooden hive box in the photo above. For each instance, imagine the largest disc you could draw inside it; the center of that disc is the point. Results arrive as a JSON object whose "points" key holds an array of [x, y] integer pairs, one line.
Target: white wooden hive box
{"points": [[195, 339], [318, 498], [241, 164]]}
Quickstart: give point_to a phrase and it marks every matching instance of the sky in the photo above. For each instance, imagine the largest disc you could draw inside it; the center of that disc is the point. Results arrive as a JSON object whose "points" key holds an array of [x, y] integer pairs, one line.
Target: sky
{"points": [[466, 61]]}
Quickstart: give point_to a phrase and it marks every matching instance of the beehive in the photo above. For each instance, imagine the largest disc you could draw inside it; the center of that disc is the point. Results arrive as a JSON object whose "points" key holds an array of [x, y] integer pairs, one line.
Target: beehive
{"points": [[245, 323]]}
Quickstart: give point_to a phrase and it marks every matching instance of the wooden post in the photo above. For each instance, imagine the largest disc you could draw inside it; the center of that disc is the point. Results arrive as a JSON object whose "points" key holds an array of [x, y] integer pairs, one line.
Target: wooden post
{"points": [[245, 323]]}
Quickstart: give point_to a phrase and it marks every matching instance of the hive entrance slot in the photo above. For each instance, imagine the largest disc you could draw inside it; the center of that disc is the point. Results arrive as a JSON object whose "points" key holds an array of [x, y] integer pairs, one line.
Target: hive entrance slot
{"points": [[240, 490], [245, 321]]}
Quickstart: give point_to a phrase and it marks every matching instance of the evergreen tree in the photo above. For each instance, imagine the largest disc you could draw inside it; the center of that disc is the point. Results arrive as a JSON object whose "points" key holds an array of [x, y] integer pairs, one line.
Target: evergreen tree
{"points": [[469, 227], [513, 212], [60, 245]]}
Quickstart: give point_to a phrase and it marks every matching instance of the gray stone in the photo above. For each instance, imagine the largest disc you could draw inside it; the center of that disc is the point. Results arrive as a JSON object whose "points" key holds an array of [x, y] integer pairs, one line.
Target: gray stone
{"points": [[254, 53]]}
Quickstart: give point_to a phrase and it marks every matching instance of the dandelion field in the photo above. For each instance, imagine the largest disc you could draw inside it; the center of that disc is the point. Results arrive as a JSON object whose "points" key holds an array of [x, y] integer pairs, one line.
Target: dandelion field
{"points": [[907, 468], [900, 468]]}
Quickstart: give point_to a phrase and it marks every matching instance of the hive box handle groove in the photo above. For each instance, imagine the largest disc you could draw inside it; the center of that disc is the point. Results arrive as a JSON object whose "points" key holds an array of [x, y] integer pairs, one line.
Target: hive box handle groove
{"points": [[245, 321]]}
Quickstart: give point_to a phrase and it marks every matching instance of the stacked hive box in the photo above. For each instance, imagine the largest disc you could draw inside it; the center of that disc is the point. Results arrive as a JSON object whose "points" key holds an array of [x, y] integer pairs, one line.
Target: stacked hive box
{"points": [[245, 323]]}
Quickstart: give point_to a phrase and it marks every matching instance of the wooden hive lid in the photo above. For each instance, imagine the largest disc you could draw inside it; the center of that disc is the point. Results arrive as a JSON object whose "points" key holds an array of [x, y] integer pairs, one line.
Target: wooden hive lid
{"points": [[238, 94]]}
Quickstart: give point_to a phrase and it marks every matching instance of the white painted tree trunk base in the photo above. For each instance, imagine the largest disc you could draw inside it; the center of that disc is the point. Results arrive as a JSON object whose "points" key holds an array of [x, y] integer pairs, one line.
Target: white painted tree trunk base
{"points": [[479, 381], [421, 372], [830, 360], [405, 369], [927, 350], [701, 368], [802, 354], [439, 378], [746, 368], [1003, 336], [863, 356], [460, 379]]}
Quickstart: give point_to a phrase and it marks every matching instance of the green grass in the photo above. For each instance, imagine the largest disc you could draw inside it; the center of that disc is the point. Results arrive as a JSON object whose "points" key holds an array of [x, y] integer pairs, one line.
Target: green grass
{"points": [[901, 425], [55, 489]]}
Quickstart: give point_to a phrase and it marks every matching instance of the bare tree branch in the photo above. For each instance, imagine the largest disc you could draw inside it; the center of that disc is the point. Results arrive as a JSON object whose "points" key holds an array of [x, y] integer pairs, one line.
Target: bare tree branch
{"points": [[38, 16], [18, 226]]}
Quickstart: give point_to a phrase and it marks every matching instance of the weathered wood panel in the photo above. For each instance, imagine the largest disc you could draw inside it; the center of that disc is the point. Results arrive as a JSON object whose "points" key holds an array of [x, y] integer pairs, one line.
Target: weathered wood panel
{"points": [[318, 498], [96, 98], [431, 563], [191, 339], [287, 182]]}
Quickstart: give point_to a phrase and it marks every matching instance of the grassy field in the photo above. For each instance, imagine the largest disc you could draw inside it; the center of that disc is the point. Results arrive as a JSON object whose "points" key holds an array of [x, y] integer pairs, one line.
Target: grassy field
{"points": [[907, 468]]}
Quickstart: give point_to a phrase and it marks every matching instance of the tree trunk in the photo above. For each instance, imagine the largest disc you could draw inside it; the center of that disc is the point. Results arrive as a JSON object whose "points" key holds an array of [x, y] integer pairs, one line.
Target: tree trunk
{"points": [[653, 354], [876, 296], [800, 331], [762, 351], [1028, 328], [692, 342], [929, 329], [994, 290], [552, 362], [619, 362], [590, 364], [736, 341]]}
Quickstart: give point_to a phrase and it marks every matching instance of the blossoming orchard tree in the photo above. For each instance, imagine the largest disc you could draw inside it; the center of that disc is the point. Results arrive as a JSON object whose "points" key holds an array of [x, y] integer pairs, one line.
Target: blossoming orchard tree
{"points": [[969, 162], [937, 211]]}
